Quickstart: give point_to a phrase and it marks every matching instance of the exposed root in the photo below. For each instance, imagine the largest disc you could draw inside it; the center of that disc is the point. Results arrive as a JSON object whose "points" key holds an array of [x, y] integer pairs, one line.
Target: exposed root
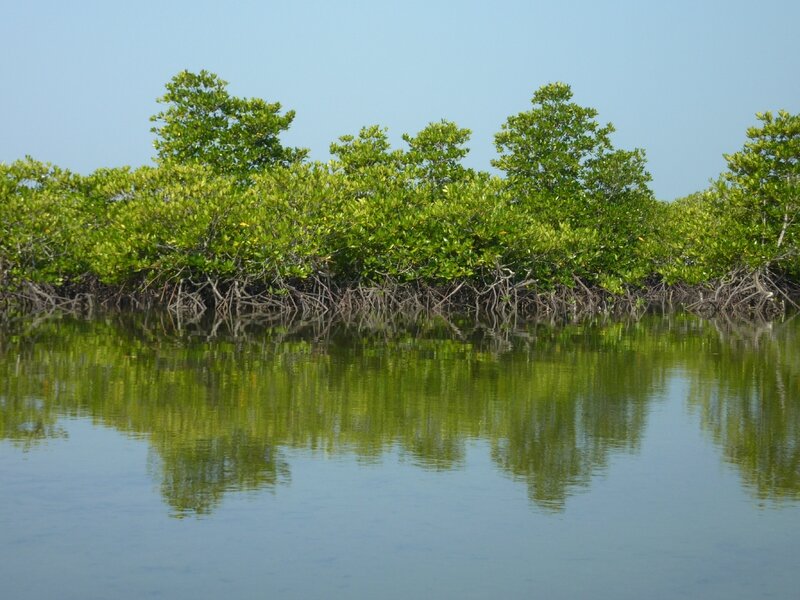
{"points": [[502, 299], [757, 294]]}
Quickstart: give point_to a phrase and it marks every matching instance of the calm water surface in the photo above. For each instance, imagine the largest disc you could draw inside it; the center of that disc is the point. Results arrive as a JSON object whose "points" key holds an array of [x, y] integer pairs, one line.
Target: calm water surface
{"points": [[659, 459]]}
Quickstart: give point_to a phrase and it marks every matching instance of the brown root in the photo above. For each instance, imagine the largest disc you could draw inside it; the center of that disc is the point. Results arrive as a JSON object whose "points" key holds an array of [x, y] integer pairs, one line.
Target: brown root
{"points": [[503, 298]]}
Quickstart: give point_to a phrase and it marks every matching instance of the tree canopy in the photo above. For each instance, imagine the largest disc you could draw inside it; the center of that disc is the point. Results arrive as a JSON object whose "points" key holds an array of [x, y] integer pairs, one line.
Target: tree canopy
{"points": [[436, 152], [203, 123], [228, 202], [761, 189], [559, 160]]}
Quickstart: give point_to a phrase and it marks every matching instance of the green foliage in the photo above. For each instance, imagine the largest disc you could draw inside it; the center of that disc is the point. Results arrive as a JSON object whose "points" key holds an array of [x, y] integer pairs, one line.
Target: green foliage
{"points": [[47, 224], [691, 243], [761, 192], [368, 164], [370, 149], [228, 202], [181, 222], [548, 152], [560, 164], [414, 234], [435, 154], [185, 222], [232, 136], [748, 218], [287, 219]]}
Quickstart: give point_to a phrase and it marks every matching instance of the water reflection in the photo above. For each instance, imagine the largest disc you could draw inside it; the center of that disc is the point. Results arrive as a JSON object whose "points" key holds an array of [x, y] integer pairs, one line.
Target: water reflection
{"points": [[746, 391], [553, 403]]}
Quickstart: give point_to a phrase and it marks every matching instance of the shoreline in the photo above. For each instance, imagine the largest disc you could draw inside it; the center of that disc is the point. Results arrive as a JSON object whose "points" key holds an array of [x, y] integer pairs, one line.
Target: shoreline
{"points": [[747, 295]]}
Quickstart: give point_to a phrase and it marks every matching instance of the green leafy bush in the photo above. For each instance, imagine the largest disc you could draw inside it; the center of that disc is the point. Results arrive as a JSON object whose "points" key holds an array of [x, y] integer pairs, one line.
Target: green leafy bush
{"points": [[228, 202]]}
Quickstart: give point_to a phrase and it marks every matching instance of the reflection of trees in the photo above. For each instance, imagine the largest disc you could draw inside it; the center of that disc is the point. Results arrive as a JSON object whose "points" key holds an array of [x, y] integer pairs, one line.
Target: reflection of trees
{"points": [[746, 389], [25, 420], [196, 475], [220, 415], [568, 415]]}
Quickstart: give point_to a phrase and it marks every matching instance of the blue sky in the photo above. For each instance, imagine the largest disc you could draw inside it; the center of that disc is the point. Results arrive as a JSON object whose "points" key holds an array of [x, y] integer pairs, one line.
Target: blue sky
{"points": [[681, 79]]}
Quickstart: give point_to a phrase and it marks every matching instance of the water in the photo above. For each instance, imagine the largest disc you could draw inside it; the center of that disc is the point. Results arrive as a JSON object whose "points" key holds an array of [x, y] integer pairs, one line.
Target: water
{"points": [[658, 459]]}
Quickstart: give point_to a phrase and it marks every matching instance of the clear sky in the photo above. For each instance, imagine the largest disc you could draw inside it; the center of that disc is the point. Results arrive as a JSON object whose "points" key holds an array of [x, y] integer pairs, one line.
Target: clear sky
{"points": [[682, 79]]}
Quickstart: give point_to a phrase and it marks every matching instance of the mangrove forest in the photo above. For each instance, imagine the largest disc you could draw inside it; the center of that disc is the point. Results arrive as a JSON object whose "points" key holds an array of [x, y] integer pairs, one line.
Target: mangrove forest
{"points": [[230, 221]]}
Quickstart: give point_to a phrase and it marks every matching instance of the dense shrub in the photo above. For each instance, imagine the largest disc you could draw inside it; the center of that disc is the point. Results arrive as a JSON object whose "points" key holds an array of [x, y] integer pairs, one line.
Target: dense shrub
{"points": [[570, 210]]}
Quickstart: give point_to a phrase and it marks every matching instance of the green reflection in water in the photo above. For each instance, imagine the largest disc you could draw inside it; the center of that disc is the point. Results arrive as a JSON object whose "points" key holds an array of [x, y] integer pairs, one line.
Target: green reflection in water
{"points": [[746, 391], [553, 403]]}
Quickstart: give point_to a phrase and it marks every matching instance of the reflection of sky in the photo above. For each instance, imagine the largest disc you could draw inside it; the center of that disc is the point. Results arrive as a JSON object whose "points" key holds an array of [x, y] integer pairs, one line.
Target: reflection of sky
{"points": [[84, 517], [420, 504]]}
